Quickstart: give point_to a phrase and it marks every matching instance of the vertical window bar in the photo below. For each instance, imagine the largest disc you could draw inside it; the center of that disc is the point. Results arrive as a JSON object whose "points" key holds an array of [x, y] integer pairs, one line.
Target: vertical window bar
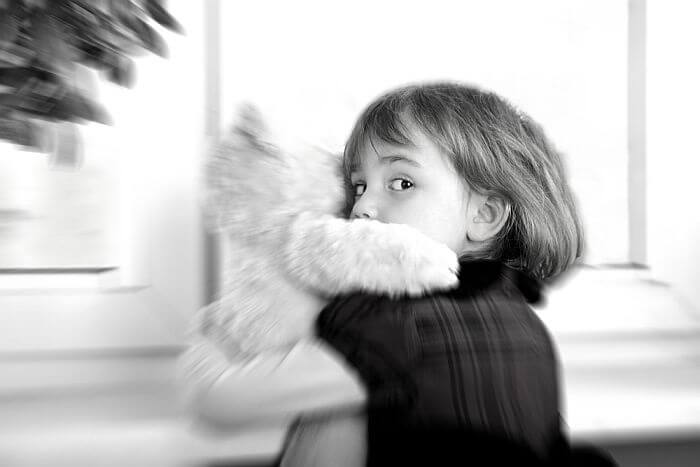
{"points": [[212, 81], [636, 132]]}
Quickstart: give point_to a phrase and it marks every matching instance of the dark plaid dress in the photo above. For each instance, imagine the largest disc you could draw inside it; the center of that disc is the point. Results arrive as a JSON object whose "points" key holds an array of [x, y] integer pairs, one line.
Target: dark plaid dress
{"points": [[466, 377]]}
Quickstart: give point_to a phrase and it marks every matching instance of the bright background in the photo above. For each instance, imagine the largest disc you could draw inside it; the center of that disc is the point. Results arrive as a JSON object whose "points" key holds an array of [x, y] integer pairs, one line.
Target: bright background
{"points": [[87, 357], [313, 66]]}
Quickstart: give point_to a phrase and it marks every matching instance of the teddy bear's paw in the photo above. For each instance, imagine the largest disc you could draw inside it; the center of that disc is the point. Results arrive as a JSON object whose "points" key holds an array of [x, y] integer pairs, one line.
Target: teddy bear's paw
{"points": [[338, 256], [420, 264], [427, 266]]}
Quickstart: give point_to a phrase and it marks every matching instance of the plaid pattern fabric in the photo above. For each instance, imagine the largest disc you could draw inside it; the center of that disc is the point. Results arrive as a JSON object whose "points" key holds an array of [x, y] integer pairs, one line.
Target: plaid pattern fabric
{"points": [[474, 365]]}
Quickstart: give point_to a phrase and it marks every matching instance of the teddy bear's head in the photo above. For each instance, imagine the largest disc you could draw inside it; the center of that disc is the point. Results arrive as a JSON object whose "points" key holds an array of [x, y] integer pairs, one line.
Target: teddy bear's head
{"points": [[254, 187]]}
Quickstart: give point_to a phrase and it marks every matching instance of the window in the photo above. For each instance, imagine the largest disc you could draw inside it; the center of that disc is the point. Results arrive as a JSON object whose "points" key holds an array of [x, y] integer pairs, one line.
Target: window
{"points": [[60, 218], [144, 277]]}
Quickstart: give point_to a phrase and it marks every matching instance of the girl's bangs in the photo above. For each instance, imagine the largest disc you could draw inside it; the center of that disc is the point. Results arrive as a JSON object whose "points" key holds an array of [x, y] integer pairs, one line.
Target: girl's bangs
{"points": [[381, 123]]}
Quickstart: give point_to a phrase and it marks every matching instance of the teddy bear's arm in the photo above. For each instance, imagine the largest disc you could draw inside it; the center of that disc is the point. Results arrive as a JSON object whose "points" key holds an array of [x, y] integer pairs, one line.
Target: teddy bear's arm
{"points": [[334, 256], [309, 378], [199, 366]]}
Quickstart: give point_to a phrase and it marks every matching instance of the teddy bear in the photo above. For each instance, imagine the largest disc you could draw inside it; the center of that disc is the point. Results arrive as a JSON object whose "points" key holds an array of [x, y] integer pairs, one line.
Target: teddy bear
{"points": [[287, 247]]}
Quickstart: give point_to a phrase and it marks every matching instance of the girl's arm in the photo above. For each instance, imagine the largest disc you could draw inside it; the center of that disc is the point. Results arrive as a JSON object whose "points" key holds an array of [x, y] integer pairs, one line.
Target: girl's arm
{"points": [[277, 387]]}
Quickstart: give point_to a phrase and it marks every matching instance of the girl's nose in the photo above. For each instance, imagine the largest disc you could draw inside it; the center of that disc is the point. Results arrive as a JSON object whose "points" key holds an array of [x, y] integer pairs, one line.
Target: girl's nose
{"points": [[363, 215], [363, 210]]}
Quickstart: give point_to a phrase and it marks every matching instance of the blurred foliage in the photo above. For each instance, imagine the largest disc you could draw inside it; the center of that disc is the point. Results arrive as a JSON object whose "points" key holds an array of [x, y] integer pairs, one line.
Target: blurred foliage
{"points": [[42, 42]]}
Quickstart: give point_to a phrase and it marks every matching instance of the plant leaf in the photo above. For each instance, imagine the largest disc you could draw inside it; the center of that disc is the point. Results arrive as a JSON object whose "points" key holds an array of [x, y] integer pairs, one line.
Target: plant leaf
{"points": [[162, 17], [78, 106], [96, 55], [18, 76], [10, 101], [114, 35], [49, 42], [19, 131], [149, 38], [122, 73], [9, 28]]}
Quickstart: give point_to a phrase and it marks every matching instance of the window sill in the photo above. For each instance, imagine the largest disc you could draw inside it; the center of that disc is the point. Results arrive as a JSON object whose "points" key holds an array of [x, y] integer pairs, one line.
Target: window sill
{"points": [[630, 353], [615, 301], [49, 321]]}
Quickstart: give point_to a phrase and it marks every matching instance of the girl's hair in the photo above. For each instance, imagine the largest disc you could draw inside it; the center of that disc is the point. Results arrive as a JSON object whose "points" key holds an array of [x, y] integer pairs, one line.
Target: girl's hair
{"points": [[497, 150]]}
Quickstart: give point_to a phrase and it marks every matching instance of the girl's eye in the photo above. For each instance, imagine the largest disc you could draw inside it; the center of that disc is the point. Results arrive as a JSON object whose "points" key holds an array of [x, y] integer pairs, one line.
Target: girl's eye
{"points": [[400, 184], [359, 188]]}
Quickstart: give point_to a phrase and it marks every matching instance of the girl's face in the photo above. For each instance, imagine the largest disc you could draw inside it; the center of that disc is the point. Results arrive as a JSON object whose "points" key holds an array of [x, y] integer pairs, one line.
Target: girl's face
{"points": [[414, 185]]}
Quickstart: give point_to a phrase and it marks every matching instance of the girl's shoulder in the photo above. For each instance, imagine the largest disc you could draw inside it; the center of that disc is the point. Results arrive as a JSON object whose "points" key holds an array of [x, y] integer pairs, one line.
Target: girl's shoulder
{"points": [[481, 277], [482, 284], [359, 310]]}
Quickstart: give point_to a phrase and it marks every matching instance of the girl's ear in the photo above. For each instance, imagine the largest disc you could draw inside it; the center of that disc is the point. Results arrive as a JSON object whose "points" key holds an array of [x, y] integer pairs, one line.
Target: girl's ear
{"points": [[489, 215]]}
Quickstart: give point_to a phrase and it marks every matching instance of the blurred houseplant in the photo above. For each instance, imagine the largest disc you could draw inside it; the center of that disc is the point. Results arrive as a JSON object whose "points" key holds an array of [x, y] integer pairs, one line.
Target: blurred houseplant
{"points": [[43, 46]]}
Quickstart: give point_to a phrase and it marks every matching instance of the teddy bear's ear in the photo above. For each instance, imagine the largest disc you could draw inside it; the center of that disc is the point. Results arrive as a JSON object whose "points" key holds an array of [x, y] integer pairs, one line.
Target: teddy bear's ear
{"points": [[250, 125]]}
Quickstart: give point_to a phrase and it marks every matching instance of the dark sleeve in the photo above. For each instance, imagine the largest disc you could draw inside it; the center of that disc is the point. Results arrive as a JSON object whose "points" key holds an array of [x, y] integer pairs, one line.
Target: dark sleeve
{"points": [[369, 332]]}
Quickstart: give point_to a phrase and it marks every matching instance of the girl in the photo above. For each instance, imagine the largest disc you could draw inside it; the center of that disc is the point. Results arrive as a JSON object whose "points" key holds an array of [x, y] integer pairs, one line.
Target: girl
{"points": [[464, 375]]}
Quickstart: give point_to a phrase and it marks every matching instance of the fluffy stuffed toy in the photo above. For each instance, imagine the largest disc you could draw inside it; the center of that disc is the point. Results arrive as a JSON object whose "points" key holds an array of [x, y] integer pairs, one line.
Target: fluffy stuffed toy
{"points": [[288, 250]]}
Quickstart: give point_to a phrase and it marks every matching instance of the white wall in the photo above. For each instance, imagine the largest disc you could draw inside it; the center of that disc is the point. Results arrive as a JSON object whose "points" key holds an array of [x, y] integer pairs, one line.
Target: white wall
{"points": [[673, 109], [313, 66]]}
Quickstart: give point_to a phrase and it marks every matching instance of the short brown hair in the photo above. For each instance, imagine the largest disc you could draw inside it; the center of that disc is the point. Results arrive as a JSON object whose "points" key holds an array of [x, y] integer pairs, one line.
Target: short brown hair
{"points": [[497, 150]]}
